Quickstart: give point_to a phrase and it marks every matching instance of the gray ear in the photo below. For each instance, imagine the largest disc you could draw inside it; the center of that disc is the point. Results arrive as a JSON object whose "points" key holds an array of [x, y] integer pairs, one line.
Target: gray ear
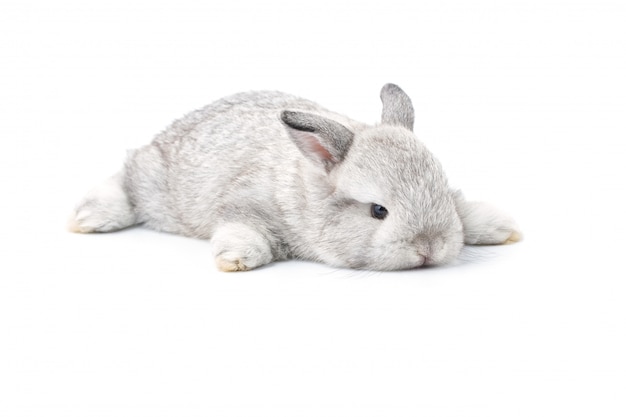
{"points": [[397, 107], [322, 140]]}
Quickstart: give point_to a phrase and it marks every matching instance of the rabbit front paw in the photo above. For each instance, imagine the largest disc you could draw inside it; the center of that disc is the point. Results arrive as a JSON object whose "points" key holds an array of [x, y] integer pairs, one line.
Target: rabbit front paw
{"points": [[238, 247], [232, 262]]}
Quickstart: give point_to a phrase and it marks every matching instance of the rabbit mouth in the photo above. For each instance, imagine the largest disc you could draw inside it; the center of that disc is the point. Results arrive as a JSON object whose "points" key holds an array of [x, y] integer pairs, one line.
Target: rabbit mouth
{"points": [[397, 256]]}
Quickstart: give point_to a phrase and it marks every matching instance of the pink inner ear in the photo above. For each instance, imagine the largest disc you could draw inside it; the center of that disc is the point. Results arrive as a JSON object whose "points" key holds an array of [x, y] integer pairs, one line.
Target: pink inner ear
{"points": [[320, 150], [310, 145]]}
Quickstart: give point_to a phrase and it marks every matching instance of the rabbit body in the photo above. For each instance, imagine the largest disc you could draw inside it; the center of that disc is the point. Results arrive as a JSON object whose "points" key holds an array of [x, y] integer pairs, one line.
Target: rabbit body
{"points": [[228, 160], [268, 176], [231, 162]]}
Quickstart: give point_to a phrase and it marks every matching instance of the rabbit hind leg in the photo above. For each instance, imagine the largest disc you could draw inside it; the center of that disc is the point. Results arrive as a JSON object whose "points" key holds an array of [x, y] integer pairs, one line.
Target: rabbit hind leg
{"points": [[106, 208], [485, 225]]}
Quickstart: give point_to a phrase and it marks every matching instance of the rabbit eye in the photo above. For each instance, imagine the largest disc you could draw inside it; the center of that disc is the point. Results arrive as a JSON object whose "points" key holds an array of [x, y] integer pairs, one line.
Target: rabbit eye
{"points": [[378, 211]]}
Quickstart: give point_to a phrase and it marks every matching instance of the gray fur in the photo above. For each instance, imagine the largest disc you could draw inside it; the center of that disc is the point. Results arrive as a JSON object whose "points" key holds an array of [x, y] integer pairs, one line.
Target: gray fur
{"points": [[318, 138], [397, 107], [269, 176]]}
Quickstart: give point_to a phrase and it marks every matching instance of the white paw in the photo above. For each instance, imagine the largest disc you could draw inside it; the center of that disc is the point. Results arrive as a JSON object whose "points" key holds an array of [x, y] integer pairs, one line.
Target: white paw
{"points": [[494, 235], [98, 217], [82, 221], [231, 262], [483, 224], [105, 208], [238, 247]]}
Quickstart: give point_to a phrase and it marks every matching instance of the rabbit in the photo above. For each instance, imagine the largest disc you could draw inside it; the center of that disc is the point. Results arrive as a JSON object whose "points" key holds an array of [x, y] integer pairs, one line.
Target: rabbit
{"points": [[267, 176]]}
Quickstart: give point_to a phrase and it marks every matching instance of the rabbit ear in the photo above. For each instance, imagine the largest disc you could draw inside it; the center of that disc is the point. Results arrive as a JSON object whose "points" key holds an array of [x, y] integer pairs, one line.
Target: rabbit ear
{"points": [[320, 139], [397, 107]]}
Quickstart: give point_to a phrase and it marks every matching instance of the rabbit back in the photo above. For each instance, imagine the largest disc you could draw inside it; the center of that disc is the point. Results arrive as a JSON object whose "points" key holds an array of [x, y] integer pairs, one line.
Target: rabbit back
{"points": [[230, 158]]}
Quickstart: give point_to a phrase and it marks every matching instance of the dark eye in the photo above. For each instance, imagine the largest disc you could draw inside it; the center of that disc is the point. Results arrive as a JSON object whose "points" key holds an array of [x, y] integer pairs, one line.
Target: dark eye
{"points": [[378, 211]]}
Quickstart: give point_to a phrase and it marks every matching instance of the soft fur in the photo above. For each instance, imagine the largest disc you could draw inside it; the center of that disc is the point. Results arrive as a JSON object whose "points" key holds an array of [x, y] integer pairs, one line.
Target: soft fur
{"points": [[268, 176]]}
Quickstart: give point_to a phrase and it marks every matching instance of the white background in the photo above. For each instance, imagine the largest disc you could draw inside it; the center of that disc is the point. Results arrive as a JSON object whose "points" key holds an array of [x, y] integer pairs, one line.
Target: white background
{"points": [[524, 102]]}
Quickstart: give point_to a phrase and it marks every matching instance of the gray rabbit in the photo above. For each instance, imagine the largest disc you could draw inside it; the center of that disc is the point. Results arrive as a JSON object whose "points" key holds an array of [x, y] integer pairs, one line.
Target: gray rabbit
{"points": [[269, 176]]}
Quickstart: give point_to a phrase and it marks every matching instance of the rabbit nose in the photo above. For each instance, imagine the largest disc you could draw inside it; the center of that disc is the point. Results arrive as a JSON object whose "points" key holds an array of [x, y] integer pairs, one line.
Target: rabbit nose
{"points": [[426, 249]]}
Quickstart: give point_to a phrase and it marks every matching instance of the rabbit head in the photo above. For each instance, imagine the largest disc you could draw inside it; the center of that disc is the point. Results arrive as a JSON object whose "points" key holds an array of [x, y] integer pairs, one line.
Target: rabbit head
{"points": [[388, 204]]}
